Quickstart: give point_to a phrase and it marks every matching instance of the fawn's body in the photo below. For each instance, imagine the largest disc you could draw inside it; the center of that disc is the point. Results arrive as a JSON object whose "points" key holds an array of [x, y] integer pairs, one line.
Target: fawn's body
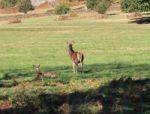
{"points": [[77, 57], [39, 73]]}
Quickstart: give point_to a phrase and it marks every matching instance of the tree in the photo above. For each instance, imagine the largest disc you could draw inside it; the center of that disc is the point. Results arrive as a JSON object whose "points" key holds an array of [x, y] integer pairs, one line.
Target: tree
{"points": [[7, 3], [100, 6], [25, 6], [135, 5]]}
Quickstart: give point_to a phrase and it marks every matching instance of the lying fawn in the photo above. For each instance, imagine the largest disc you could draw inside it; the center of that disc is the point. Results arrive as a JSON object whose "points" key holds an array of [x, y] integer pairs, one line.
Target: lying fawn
{"points": [[39, 73], [77, 57]]}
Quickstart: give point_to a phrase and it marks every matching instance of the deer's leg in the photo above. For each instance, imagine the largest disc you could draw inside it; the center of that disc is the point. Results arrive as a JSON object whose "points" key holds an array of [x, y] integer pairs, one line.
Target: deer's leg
{"points": [[74, 67], [82, 66]]}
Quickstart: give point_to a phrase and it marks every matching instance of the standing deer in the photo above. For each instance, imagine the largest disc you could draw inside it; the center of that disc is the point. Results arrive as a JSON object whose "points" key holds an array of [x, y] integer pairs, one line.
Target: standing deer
{"points": [[77, 57], [41, 74]]}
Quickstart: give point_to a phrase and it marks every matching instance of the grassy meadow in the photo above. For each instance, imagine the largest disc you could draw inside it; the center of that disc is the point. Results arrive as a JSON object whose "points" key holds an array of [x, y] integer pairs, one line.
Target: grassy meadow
{"points": [[113, 48]]}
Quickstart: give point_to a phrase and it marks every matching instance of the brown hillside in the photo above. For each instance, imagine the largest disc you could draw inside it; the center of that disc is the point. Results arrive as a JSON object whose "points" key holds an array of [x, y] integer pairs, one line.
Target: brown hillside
{"points": [[9, 10], [45, 5]]}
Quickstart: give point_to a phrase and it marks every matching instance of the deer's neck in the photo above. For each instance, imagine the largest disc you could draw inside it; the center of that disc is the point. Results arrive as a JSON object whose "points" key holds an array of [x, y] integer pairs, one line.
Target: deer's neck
{"points": [[71, 51], [39, 72]]}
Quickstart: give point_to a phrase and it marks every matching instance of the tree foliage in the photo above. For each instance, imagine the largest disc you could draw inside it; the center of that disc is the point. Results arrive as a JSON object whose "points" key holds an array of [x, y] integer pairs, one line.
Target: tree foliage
{"points": [[7, 3], [61, 9], [135, 5], [25, 6], [100, 6]]}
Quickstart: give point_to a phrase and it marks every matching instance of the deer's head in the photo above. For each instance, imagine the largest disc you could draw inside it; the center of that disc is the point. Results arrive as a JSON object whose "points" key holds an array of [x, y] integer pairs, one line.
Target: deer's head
{"points": [[70, 45], [36, 68]]}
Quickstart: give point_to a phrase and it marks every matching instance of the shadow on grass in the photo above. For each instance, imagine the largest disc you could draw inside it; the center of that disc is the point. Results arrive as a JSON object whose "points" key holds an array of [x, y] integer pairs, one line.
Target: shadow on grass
{"points": [[95, 71], [143, 20], [122, 96]]}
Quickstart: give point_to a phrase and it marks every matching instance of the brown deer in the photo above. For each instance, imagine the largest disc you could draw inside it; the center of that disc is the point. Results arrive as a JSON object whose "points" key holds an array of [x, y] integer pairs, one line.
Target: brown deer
{"points": [[41, 74], [77, 57]]}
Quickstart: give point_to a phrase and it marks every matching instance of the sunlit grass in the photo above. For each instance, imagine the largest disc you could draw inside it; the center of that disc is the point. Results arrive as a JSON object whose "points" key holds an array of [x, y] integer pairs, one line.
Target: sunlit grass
{"points": [[112, 50]]}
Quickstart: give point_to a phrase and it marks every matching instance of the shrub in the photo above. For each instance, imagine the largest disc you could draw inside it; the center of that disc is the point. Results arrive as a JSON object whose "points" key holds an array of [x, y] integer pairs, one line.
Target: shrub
{"points": [[91, 4], [135, 5], [61, 9], [25, 6], [7, 3], [100, 6]]}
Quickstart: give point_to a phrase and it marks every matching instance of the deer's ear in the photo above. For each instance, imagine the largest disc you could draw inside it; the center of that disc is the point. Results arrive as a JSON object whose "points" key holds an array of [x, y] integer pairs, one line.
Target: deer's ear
{"points": [[33, 66], [73, 42], [38, 66], [68, 42]]}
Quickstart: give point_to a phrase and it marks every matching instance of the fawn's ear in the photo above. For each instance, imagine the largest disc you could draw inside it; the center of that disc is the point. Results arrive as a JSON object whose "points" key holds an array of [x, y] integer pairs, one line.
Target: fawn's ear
{"points": [[38, 66], [33, 66]]}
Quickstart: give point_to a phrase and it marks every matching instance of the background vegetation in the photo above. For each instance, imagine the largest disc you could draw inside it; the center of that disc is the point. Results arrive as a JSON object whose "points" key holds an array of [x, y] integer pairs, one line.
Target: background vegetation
{"points": [[25, 6], [61, 9], [135, 5], [7, 3]]}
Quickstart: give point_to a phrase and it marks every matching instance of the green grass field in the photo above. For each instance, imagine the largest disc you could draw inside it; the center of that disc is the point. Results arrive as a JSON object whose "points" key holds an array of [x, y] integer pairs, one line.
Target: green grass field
{"points": [[112, 49]]}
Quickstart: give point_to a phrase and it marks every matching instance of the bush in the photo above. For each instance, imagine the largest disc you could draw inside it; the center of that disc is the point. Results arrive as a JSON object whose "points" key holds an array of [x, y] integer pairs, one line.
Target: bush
{"points": [[100, 6], [135, 5], [61, 9], [25, 6], [7, 3], [91, 4]]}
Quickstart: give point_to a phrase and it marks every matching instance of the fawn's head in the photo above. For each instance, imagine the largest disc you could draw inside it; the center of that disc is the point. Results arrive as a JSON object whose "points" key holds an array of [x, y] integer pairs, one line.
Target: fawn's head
{"points": [[36, 68]]}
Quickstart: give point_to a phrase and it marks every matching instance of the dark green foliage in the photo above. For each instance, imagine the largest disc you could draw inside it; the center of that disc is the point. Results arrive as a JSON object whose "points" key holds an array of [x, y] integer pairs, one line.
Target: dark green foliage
{"points": [[26, 98], [135, 5], [61, 9], [91, 4], [7, 3], [100, 6], [25, 6]]}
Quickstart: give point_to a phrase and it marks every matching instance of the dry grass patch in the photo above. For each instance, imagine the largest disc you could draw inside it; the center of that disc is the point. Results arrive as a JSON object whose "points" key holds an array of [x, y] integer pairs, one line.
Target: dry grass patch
{"points": [[62, 18], [14, 21], [72, 14], [134, 15], [92, 15]]}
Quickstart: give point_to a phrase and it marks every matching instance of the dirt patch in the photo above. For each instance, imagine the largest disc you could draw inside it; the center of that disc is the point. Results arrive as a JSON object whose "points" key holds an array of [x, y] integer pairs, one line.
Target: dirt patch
{"points": [[134, 15], [72, 14], [101, 16], [62, 18], [92, 15], [9, 10], [45, 5], [14, 21]]}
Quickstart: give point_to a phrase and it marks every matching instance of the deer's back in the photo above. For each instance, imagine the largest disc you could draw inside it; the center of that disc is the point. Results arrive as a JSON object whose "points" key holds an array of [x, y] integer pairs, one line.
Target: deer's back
{"points": [[50, 74]]}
